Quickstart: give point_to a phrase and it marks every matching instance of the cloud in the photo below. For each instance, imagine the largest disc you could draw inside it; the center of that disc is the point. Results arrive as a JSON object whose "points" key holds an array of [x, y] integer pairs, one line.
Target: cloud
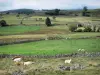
{"points": [[5, 4], [40, 4], [48, 4]]}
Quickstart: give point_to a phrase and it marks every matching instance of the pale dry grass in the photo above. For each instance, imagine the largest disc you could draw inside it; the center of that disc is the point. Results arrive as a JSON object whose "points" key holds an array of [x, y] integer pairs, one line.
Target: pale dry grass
{"points": [[50, 65]]}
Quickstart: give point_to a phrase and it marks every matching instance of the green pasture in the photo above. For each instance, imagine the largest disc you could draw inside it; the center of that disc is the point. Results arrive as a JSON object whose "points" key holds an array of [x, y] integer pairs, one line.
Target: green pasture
{"points": [[18, 29], [52, 47]]}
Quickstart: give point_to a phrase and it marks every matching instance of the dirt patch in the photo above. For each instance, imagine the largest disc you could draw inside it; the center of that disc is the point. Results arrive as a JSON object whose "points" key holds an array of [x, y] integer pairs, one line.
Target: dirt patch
{"points": [[3, 72]]}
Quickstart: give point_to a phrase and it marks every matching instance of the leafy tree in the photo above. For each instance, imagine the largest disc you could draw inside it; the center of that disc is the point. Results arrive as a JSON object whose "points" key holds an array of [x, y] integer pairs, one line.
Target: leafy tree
{"points": [[48, 21], [3, 23], [8, 13], [1, 14], [18, 15], [57, 11], [53, 12], [85, 9], [54, 17]]}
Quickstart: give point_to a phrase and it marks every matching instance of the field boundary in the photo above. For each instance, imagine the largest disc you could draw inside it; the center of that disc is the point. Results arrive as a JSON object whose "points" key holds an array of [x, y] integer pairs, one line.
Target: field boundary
{"points": [[77, 54], [19, 41]]}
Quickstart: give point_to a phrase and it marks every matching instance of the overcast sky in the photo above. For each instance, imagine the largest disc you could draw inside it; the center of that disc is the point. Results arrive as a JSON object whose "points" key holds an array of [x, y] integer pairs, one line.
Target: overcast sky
{"points": [[48, 4]]}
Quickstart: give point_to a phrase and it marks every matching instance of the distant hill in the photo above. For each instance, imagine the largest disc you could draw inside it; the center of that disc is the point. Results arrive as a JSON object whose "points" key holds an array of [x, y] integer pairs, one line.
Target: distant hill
{"points": [[78, 12], [22, 11]]}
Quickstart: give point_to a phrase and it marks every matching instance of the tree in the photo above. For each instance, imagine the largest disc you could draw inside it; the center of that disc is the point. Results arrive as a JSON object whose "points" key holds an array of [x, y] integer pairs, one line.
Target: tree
{"points": [[85, 9], [3, 23], [54, 17], [48, 21], [53, 12], [57, 11], [8, 13], [1, 14], [72, 28], [18, 15]]}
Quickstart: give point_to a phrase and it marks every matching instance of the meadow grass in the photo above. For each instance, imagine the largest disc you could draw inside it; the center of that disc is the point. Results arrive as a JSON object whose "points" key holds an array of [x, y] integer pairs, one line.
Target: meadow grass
{"points": [[50, 66], [82, 34], [67, 35], [17, 29], [52, 47], [12, 19]]}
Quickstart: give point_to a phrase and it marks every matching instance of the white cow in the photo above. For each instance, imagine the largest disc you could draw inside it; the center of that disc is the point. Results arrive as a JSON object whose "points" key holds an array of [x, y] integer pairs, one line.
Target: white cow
{"points": [[68, 61], [81, 50], [28, 63], [17, 59]]}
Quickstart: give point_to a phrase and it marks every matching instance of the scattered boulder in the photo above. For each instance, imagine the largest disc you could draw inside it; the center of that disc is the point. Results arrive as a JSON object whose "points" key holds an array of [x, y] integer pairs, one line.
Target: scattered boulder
{"points": [[18, 73], [73, 67], [63, 68]]}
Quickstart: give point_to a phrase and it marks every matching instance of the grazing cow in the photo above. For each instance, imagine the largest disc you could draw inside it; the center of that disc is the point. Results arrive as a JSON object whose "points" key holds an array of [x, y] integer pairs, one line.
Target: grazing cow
{"points": [[17, 59], [68, 61], [28, 63], [79, 49], [82, 50]]}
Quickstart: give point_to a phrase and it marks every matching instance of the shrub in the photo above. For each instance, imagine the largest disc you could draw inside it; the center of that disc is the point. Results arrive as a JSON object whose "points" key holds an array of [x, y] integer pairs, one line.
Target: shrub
{"points": [[48, 21], [87, 29], [79, 25], [54, 17], [79, 30], [17, 15], [98, 29], [72, 28], [3, 23], [94, 28]]}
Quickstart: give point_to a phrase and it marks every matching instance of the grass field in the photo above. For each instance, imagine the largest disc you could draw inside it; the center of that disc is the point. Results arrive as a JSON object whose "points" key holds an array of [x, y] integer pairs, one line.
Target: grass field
{"points": [[33, 30], [52, 47], [17, 29], [34, 35], [12, 19]]}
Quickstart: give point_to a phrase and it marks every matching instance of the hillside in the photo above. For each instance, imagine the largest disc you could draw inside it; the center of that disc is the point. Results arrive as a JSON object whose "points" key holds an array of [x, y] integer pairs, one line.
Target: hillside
{"points": [[19, 11]]}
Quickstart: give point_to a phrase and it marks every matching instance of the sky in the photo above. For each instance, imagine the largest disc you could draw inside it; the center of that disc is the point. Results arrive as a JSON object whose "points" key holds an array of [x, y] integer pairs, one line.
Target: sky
{"points": [[48, 4]]}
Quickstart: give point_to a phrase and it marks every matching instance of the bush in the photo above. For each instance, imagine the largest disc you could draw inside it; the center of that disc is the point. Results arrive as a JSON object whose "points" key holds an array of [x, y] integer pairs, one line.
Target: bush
{"points": [[94, 28], [48, 21], [54, 17], [17, 15], [79, 25], [3, 23], [72, 28], [87, 29], [98, 29], [79, 30]]}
